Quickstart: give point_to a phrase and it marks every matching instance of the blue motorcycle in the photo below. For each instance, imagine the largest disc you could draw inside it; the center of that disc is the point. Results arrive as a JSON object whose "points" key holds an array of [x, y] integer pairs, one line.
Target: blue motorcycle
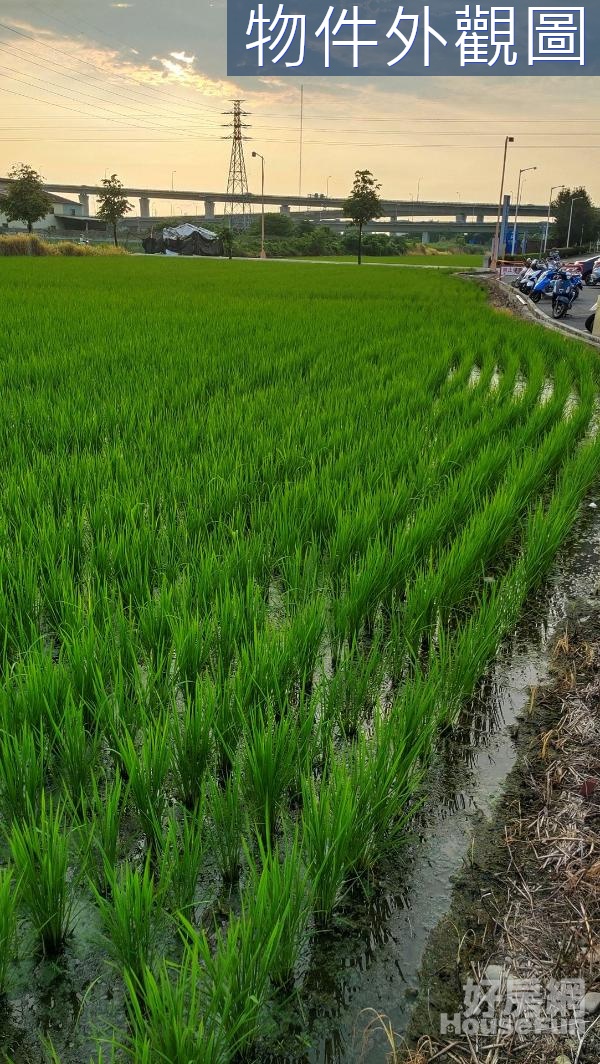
{"points": [[566, 290], [544, 284]]}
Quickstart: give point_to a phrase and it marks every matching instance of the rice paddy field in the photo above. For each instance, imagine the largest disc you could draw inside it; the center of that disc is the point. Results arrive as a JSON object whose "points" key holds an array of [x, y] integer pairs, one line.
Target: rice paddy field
{"points": [[263, 532]]}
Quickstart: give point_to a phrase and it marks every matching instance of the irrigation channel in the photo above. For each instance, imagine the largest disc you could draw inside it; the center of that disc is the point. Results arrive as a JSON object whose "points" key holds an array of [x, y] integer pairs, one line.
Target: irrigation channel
{"points": [[373, 964]]}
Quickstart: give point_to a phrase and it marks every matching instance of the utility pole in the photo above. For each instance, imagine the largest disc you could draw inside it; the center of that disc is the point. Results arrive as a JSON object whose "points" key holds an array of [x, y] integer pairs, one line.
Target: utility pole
{"points": [[496, 245], [301, 138], [237, 182]]}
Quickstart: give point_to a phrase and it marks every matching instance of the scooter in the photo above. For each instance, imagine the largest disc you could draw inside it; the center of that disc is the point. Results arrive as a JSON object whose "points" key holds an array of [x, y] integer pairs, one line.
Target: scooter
{"points": [[566, 290], [545, 284], [521, 276], [532, 276]]}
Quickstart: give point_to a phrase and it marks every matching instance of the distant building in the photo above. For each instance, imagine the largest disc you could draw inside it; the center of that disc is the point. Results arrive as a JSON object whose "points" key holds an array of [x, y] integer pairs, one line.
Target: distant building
{"points": [[62, 211]]}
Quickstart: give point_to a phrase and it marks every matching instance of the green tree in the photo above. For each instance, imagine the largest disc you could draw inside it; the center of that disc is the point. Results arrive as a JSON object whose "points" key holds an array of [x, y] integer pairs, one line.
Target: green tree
{"points": [[363, 203], [276, 224], [226, 237], [112, 204], [25, 199], [584, 219]]}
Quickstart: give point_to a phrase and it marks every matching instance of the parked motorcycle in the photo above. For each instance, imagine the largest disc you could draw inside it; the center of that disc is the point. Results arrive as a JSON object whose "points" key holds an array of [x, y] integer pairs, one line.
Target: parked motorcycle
{"points": [[566, 289], [531, 277], [545, 284], [520, 276]]}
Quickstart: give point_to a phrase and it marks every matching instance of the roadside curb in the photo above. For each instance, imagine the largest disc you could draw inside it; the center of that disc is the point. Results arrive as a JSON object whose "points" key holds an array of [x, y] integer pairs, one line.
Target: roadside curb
{"points": [[536, 314]]}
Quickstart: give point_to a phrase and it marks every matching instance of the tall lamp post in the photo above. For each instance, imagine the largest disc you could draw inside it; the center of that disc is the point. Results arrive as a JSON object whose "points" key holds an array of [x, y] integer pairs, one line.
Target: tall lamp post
{"points": [[173, 172], [525, 170], [496, 249], [554, 188], [328, 180], [573, 200], [257, 155]]}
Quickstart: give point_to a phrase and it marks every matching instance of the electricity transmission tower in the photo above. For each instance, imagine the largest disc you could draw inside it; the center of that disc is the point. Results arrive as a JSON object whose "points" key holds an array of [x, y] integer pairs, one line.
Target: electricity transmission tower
{"points": [[237, 183]]}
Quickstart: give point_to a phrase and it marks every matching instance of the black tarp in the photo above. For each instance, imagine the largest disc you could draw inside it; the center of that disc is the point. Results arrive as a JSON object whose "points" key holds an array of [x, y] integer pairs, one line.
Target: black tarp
{"points": [[184, 239]]}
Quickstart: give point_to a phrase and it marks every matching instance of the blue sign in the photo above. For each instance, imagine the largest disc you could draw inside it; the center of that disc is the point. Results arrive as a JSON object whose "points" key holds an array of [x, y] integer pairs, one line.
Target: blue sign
{"points": [[382, 38]]}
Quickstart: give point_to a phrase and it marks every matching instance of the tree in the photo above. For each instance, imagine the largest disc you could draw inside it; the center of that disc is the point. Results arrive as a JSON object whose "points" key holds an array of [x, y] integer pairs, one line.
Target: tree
{"points": [[226, 237], [25, 199], [363, 203], [584, 220], [112, 204], [276, 224]]}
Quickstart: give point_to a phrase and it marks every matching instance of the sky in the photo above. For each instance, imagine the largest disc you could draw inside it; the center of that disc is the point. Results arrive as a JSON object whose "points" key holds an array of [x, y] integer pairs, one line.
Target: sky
{"points": [[139, 87]]}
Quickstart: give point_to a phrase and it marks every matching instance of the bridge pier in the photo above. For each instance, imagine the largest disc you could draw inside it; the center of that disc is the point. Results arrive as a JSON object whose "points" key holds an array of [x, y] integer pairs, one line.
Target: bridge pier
{"points": [[461, 219], [479, 218], [209, 208], [144, 206], [84, 200], [425, 238], [284, 208]]}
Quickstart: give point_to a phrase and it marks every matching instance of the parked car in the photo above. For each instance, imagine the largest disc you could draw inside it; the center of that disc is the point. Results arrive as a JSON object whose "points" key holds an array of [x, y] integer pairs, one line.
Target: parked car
{"points": [[585, 266]]}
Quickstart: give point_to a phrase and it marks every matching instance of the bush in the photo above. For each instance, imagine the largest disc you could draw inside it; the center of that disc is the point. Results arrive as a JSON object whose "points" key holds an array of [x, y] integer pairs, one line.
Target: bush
{"points": [[22, 244]]}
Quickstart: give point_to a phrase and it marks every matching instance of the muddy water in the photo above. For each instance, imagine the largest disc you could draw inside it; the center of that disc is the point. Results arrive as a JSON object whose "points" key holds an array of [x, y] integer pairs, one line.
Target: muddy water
{"points": [[373, 963]]}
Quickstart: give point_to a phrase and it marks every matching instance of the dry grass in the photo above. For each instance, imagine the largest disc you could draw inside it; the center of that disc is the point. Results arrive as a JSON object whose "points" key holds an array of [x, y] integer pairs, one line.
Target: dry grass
{"points": [[543, 909], [22, 244]]}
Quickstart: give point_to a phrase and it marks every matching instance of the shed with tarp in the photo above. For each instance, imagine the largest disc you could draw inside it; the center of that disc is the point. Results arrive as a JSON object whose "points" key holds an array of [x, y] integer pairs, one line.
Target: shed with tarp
{"points": [[186, 239]]}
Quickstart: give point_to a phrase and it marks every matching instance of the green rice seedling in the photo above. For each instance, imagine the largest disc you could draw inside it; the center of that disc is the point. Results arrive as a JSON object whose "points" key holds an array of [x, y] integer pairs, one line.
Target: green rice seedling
{"points": [[131, 918], [40, 849], [193, 640], [154, 622], [385, 775], [224, 806], [167, 1017], [8, 925], [279, 894], [180, 861], [193, 741], [147, 770], [101, 813], [229, 721], [237, 979], [22, 771], [76, 750], [329, 828], [353, 691], [268, 762]]}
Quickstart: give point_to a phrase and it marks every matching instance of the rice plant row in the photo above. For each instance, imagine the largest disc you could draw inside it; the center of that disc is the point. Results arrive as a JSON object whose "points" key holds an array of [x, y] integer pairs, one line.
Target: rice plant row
{"points": [[262, 534]]}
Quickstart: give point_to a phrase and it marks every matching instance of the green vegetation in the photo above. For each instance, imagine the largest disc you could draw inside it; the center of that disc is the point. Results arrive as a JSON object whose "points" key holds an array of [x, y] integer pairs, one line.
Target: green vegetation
{"points": [[264, 529], [20, 244], [25, 199]]}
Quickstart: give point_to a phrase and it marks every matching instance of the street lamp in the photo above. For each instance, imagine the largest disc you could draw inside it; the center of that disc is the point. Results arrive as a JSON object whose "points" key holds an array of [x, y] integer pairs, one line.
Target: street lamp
{"points": [[496, 249], [525, 170], [328, 180], [257, 155], [418, 188], [173, 172], [573, 200], [553, 189]]}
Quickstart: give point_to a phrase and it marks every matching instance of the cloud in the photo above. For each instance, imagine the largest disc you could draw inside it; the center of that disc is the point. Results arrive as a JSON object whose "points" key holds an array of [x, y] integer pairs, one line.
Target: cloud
{"points": [[182, 57]]}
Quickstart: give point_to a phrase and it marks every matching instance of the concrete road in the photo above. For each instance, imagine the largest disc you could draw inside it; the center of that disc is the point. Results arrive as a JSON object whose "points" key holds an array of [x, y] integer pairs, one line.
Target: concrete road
{"points": [[580, 310]]}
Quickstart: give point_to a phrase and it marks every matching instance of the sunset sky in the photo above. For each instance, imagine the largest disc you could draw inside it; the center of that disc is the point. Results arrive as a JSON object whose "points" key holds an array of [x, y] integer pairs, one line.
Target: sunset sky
{"points": [[139, 87]]}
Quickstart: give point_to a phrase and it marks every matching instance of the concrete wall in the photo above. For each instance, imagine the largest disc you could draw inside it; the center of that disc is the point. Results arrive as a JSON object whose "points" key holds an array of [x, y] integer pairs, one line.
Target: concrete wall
{"points": [[49, 222]]}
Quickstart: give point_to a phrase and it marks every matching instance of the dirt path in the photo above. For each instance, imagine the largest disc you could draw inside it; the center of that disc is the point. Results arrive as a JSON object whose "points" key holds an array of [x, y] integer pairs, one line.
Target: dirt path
{"points": [[523, 933]]}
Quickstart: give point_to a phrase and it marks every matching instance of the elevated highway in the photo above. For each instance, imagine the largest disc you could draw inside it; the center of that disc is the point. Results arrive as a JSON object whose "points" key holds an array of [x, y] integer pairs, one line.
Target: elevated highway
{"points": [[393, 209]]}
